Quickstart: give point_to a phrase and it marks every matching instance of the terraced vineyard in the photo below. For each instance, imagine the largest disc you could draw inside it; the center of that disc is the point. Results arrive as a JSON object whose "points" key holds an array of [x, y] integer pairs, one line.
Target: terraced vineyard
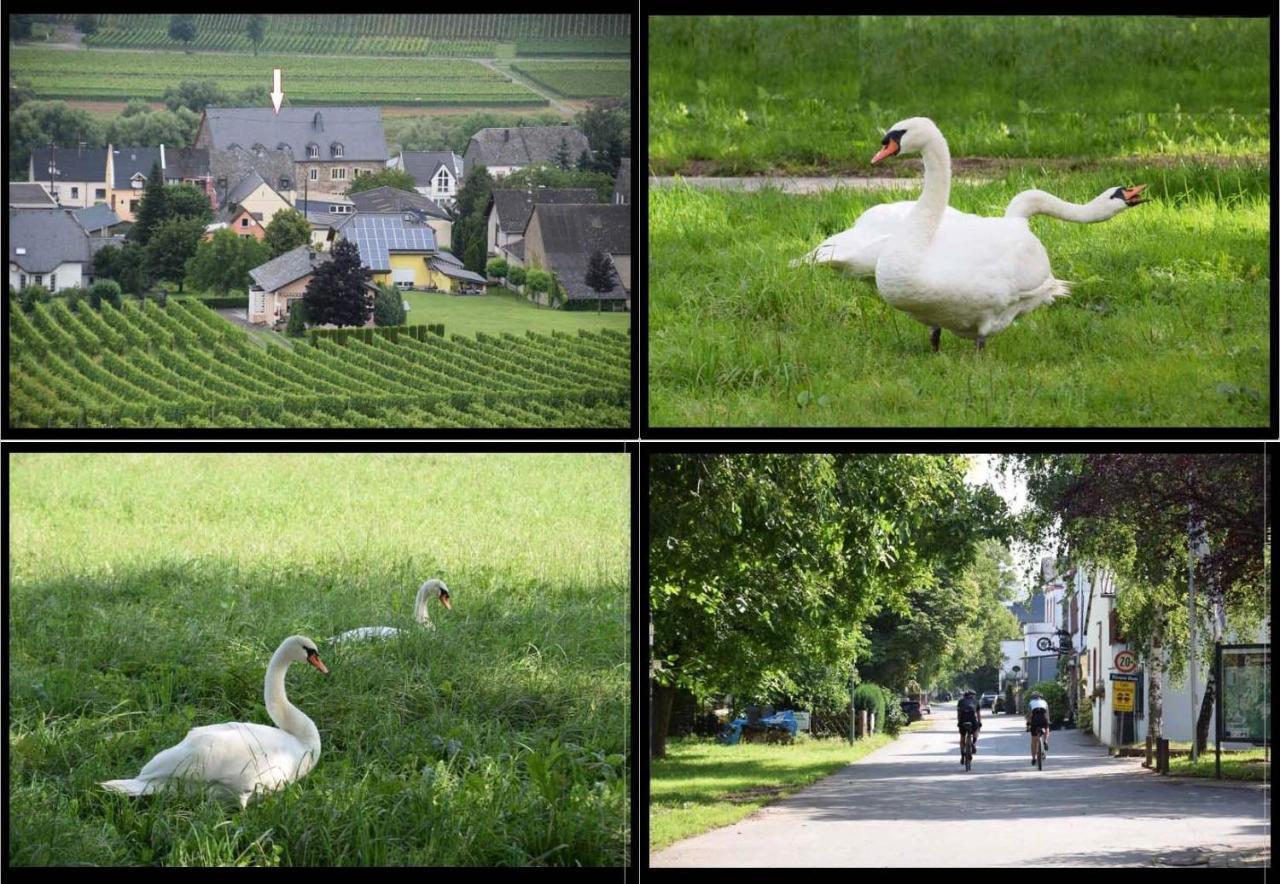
{"points": [[454, 35], [184, 366], [580, 79], [308, 80]]}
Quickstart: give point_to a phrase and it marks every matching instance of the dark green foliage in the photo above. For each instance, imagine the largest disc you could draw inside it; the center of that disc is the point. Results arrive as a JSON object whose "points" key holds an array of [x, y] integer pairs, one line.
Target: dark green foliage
{"points": [[287, 230], [131, 270], [496, 268], [32, 295], [20, 27], [173, 243], [388, 306], [151, 210], [222, 264], [37, 123], [608, 130], [584, 163], [183, 29], [336, 293], [600, 275], [562, 153], [515, 275], [187, 201], [894, 718], [549, 176], [396, 178], [469, 229], [87, 24], [870, 697], [297, 326], [226, 303], [256, 28], [105, 290]]}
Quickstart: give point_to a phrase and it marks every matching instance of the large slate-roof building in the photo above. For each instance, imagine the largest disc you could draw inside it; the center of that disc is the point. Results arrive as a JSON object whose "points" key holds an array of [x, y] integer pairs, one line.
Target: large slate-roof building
{"points": [[329, 146], [508, 211], [48, 248], [503, 151], [74, 176], [561, 238]]}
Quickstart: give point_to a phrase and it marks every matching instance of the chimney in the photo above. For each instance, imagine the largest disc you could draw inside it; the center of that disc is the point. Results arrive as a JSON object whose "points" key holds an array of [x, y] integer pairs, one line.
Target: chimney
{"points": [[162, 165]]}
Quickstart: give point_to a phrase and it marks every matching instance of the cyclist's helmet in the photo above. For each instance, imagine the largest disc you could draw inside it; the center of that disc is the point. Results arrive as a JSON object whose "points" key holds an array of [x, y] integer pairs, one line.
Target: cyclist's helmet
{"points": [[969, 694], [1036, 695]]}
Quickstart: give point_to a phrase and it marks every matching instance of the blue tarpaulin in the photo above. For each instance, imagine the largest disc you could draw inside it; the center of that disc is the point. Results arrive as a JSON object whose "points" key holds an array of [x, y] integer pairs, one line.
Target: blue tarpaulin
{"points": [[785, 719]]}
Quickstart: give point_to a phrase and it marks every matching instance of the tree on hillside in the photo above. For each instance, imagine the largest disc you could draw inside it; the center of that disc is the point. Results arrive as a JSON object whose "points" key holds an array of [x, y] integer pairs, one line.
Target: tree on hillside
{"points": [[172, 244], [20, 27], [608, 130], [87, 24], [222, 263], [170, 128], [584, 164], [187, 201], [287, 230], [562, 154], [388, 306], [297, 325], [195, 95], [131, 270], [135, 106], [256, 95], [37, 123], [256, 28], [183, 29], [336, 293], [383, 178], [151, 211], [599, 273], [470, 237]]}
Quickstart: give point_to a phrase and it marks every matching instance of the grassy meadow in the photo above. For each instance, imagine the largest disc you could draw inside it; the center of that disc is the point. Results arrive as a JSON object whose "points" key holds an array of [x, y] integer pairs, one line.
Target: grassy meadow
{"points": [[738, 95], [1167, 324], [501, 310], [148, 592]]}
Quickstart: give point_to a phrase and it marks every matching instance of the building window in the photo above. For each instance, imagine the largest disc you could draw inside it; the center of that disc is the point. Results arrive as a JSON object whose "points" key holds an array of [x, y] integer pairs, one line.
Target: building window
{"points": [[100, 193], [313, 151], [314, 174], [244, 222], [338, 173], [53, 282], [442, 182], [22, 280], [336, 150], [133, 205], [75, 193], [39, 279]]}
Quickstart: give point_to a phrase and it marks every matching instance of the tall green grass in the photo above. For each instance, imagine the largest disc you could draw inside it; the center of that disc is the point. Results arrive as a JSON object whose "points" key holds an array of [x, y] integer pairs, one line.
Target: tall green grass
{"points": [[149, 591], [1167, 325], [744, 95]]}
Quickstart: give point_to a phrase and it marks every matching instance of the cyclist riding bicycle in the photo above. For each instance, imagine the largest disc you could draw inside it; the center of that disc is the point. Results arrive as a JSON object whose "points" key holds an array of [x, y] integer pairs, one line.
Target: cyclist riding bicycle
{"points": [[969, 717], [1038, 713]]}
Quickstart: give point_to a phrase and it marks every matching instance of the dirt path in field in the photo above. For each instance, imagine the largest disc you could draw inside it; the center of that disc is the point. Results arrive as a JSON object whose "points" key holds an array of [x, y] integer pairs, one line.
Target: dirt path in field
{"points": [[974, 167], [521, 80]]}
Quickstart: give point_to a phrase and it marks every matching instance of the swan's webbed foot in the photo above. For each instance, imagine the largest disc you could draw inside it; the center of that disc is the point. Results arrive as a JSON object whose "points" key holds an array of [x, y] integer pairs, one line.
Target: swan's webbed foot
{"points": [[982, 342], [935, 335]]}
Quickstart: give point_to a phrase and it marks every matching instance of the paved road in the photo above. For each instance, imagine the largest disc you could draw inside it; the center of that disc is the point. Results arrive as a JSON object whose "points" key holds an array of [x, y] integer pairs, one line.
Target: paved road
{"points": [[912, 804]]}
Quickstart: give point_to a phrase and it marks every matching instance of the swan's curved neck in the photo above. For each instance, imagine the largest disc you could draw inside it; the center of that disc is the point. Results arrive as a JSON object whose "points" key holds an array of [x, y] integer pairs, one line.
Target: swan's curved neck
{"points": [[420, 606], [286, 716], [928, 211], [1037, 202]]}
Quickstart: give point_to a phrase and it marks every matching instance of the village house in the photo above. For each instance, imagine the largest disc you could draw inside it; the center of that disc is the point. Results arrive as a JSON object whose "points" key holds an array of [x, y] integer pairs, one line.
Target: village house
{"points": [[561, 239], [249, 208], [47, 247], [24, 195], [508, 211], [389, 200], [503, 151], [437, 174], [128, 168], [74, 177], [326, 217], [399, 249], [329, 146], [97, 220], [283, 280]]}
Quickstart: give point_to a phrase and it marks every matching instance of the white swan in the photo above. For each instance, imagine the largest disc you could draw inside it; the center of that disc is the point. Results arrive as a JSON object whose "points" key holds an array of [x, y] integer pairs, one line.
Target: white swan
{"points": [[242, 759], [364, 633], [972, 279], [855, 251]]}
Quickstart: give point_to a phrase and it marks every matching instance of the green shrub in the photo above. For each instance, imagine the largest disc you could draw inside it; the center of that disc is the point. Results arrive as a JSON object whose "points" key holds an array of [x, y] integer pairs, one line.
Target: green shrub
{"points": [[870, 697], [104, 290], [297, 326], [515, 275], [496, 268], [32, 295], [227, 303], [894, 718], [388, 306]]}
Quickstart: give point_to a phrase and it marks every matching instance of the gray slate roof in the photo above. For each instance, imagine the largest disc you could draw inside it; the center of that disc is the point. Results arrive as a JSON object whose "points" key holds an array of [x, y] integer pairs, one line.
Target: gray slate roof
{"points": [[49, 237], [456, 272], [317, 212], [186, 162], [130, 161], [390, 199], [23, 195], [571, 233], [292, 265], [622, 185], [357, 129], [96, 217], [72, 163], [423, 164], [515, 206], [523, 146], [242, 188]]}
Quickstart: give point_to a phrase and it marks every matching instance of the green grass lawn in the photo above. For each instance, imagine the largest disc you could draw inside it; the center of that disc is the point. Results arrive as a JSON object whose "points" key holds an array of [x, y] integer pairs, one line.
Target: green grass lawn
{"points": [[148, 592], [701, 784], [502, 310], [1167, 325], [741, 95], [1247, 764]]}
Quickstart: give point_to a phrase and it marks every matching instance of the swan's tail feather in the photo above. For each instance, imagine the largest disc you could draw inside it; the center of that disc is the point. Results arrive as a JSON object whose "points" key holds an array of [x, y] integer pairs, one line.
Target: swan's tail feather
{"points": [[128, 787], [811, 258]]}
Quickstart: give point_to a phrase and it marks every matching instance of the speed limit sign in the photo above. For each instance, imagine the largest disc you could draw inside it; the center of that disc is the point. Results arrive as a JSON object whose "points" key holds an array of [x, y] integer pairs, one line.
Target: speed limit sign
{"points": [[1126, 661]]}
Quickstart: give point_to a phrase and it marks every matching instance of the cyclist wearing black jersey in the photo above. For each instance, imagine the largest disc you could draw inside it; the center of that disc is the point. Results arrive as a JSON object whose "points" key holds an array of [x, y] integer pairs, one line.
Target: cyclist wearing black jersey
{"points": [[968, 716]]}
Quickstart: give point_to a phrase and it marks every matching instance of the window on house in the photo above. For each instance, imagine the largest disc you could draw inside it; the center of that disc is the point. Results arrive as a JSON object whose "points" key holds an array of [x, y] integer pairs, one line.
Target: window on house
{"points": [[338, 174], [244, 222], [313, 151], [133, 205], [100, 193], [314, 174], [336, 149], [75, 193], [22, 280], [53, 282], [39, 279], [442, 182]]}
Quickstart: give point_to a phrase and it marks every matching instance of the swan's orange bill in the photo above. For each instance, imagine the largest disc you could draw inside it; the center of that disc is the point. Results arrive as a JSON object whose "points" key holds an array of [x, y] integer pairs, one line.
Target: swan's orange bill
{"points": [[444, 600], [314, 660], [1131, 194], [887, 151]]}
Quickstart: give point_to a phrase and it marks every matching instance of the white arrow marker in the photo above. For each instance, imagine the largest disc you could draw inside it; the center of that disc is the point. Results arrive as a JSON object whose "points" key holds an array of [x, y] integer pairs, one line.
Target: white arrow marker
{"points": [[277, 94]]}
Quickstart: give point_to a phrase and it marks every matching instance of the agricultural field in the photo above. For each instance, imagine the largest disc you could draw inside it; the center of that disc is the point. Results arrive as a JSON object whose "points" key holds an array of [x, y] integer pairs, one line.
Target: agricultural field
{"points": [[455, 35], [580, 79], [502, 310], [58, 74], [148, 592], [184, 366]]}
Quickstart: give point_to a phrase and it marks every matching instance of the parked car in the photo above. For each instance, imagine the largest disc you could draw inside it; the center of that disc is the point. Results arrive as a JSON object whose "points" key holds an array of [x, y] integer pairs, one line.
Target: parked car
{"points": [[911, 708], [987, 700]]}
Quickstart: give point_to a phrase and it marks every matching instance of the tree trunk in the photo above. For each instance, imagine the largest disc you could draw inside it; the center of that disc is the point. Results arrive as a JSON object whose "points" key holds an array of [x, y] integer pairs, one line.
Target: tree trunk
{"points": [[1155, 696], [662, 697], [1206, 710]]}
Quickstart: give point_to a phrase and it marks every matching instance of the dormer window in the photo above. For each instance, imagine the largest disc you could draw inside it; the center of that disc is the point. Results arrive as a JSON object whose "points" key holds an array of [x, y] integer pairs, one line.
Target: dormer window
{"points": [[442, 181], [284, 183], [313, 150], [259, 150], [283, 146], [336, 150]]}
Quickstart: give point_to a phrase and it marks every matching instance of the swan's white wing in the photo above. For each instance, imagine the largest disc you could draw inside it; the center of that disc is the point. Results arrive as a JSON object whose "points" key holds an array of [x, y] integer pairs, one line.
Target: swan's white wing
{"points": [[856, 250], [365, 633], [236, 756]]}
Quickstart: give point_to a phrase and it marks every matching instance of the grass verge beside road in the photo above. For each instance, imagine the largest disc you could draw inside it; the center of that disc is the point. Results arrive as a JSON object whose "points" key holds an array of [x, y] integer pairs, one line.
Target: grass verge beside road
{"points": [[702, 784]]}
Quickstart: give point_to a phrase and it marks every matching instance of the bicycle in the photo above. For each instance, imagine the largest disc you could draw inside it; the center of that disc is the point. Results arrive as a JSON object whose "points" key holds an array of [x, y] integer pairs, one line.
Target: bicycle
{"points": [[1042, 744], [966, 750]]}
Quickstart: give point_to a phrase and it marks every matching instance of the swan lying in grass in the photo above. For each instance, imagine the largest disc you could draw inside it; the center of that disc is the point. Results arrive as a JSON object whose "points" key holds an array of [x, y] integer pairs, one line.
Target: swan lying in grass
{"points": [[364, 633], [856, 250], [972, 279], [241, 759]]}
